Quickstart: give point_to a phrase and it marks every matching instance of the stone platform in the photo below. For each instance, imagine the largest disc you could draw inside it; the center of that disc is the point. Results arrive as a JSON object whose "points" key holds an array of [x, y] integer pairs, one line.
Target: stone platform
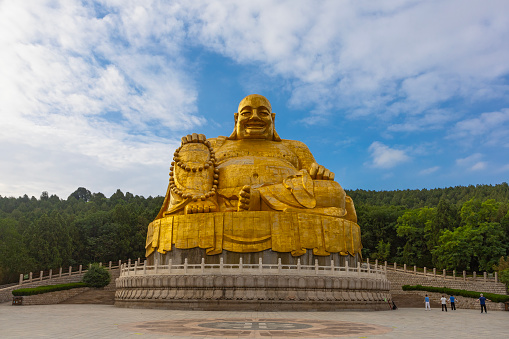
{"points": [[253, 287]]}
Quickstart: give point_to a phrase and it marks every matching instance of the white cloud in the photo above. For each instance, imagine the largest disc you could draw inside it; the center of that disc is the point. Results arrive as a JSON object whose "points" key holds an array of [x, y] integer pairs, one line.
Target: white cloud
{"points": [[430, 170], [472, 162], [102, 92], [478, 166], [432, 119], [489, 128], [386, 157], [389, 58]]}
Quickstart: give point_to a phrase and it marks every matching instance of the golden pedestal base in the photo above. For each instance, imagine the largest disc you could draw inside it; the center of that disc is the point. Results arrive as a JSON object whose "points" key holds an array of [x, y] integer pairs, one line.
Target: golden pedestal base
{"points": [[255, 231]]}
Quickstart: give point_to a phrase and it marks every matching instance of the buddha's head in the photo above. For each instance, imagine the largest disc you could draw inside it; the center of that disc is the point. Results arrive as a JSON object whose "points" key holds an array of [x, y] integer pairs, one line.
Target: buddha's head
{"points": [[254, 119]]}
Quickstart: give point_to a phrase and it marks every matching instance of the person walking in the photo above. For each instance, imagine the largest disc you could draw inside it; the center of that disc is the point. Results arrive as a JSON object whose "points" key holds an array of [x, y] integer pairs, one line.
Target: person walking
{"points": [[444, 303], [426, 303], [453, 303], [482, 301]]}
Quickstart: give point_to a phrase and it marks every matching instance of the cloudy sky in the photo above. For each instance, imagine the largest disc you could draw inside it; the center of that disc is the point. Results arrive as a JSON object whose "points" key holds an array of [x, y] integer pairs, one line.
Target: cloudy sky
{"points": [[386, 94]]}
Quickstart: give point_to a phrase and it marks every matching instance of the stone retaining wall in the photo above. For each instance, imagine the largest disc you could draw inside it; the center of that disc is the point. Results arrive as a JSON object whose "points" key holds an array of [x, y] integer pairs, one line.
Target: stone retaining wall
{"points": [[52, 297], [399, 279], [6, 293]]}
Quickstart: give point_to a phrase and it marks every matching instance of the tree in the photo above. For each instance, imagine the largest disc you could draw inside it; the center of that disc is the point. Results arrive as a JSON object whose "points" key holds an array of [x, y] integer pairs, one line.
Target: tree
{"points": [[82, 194], [414, 227], [14, 256], [383, 250], [471, 248]]}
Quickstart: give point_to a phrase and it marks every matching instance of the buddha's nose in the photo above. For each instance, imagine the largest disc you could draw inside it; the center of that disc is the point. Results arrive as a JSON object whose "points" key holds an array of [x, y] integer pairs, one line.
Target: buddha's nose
{"points": [[255, 114]]}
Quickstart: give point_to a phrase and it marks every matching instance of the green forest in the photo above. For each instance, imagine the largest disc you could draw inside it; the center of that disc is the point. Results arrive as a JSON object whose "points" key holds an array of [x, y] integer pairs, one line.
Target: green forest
{"points": [[462, 228]]}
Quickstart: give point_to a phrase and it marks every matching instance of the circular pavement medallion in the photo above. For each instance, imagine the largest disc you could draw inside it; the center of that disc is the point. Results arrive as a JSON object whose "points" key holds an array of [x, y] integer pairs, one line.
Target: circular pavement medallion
{"points": [[240, 327]]}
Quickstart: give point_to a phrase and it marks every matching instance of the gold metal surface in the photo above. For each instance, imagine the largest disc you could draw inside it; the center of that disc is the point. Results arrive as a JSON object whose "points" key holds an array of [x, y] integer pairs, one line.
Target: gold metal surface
{"points": [[253, 191]]}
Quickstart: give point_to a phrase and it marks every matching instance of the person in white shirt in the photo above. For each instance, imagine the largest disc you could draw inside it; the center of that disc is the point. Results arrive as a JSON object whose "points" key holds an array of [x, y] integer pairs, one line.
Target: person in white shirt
{"points": [[444, 303]]}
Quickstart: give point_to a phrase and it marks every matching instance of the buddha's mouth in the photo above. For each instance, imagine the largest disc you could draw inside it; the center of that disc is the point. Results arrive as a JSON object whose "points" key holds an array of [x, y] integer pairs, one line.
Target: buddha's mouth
{"points": [[255, 125]]}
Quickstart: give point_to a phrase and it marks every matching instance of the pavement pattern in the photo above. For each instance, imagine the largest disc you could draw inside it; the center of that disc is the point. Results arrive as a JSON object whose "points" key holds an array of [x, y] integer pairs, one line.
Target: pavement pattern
{"points": [[106, 321]]}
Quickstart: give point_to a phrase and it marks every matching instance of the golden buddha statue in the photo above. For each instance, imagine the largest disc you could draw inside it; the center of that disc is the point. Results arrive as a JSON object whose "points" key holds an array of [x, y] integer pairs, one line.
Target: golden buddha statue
{"points": [[253, 191]]}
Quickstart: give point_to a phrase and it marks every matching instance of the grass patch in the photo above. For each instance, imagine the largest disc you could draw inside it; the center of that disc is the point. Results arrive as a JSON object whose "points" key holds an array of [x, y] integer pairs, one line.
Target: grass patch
{"points": [[47, 289], [498, 298]]}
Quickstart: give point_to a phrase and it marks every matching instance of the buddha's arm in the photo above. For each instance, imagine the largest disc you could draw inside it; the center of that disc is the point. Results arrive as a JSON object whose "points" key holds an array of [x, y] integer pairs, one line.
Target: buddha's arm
{"points": [[193, 177], [307, 161]]}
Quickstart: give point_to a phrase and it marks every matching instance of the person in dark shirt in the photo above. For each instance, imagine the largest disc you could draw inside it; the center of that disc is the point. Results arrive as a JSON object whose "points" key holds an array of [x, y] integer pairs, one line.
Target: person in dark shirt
{"points": [[482, 300]]}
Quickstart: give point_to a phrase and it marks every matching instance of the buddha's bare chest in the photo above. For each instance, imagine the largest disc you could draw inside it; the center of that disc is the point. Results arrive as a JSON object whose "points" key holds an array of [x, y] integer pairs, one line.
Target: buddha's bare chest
{"points": [[254, 163], [270, 150]]}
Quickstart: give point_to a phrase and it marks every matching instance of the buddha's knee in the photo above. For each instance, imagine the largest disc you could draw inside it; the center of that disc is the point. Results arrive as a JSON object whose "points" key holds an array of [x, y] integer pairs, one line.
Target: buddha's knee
{"points": [[329, 194]]}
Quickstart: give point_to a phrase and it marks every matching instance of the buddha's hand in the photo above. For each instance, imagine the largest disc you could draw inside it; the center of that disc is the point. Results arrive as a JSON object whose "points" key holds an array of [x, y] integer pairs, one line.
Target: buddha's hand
{"points": [[200, 206], [244, 199], [193, 138], [318, 172]]}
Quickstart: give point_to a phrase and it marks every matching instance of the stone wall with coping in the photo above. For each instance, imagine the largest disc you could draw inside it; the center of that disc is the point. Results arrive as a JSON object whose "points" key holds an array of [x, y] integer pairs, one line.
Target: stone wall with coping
{"points": [[6, 293], [53, 297], [398, 279]]}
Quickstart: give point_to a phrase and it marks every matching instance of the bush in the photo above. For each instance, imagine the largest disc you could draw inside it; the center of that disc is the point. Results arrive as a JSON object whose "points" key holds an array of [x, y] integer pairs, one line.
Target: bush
{"points": [[97, 276], [46, 289], [497, 298]]}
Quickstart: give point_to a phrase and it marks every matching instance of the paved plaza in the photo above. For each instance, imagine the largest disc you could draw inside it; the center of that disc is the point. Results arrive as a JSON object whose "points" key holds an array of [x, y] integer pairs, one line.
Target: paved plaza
{"points": [[104, 321]]}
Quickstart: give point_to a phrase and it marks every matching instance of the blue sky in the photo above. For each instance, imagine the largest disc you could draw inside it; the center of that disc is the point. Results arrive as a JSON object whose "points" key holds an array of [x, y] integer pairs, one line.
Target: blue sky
{"points": [[388, 95]]}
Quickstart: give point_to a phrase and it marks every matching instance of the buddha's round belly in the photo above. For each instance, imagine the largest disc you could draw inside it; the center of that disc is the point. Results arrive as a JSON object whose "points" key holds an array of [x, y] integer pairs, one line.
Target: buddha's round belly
{"points": [[252, 170]]}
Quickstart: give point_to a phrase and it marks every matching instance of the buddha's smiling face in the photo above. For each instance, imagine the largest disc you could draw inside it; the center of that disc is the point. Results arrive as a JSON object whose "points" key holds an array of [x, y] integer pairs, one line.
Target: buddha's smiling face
{"points": [[254, 119]]}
